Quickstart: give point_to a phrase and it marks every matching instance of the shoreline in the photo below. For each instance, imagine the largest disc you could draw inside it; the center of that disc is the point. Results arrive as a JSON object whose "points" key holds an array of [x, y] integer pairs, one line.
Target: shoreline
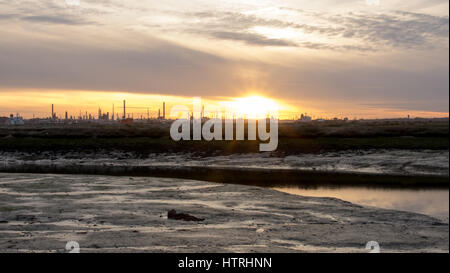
{"points": [[244, 176]]}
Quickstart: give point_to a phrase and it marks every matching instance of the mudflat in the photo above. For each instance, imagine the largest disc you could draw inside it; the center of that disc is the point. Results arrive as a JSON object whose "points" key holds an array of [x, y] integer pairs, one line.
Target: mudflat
{"points": [[42, 212]]}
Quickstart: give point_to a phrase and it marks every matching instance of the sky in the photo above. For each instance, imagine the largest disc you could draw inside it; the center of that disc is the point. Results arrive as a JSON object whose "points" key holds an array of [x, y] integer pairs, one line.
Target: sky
{"points": [[354, 58]]}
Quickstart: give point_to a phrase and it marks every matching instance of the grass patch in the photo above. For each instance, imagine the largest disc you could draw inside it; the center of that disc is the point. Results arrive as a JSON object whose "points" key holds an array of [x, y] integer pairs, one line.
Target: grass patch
{"points": [[145, 145]]}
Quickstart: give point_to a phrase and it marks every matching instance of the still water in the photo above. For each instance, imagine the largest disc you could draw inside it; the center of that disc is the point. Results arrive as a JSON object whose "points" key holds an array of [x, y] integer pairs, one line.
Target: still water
{"points": [[430, 202]]}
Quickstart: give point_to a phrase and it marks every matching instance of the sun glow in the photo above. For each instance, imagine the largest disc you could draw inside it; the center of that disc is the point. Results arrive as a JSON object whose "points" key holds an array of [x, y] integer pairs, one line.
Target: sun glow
{"points": [[253, 107]]}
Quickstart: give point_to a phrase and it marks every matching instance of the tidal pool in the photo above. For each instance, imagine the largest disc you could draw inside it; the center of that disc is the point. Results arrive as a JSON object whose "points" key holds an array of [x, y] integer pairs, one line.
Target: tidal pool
{"points": [[433, 202]]}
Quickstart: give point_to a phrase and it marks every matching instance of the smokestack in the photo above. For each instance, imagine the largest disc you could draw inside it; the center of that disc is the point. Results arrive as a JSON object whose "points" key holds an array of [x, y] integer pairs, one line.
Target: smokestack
{"points": [[164, 110], [53, 112], [124, 110], [112, 116]]}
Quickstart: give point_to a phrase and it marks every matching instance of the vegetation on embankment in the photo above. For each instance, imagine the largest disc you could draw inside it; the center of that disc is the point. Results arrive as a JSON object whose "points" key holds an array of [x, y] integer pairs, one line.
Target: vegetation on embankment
{"points": [[153, 137], [145, 145]]}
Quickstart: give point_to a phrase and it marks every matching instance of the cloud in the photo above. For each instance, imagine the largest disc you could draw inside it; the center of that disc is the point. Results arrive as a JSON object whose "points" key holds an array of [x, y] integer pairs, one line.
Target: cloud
{"points": [[399, 29], [235, 20], [249, 38], [64, 20], [437, 106], [362, 31], [8, 16], [235, 27], [329, 46], [160, 68]]}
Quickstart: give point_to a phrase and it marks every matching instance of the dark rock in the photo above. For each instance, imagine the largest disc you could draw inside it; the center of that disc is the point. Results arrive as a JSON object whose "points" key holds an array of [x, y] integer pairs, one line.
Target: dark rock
{"points": [[172, 214], [28, 218]]}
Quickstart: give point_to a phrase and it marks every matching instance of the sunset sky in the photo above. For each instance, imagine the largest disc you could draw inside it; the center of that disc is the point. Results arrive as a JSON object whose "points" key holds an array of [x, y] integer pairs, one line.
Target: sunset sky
{"points": [[355, 58]]}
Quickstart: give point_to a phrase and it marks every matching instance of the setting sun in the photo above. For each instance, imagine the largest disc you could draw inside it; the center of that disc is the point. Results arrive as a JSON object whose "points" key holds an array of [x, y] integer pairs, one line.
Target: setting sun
{"points": [[253, 107]]}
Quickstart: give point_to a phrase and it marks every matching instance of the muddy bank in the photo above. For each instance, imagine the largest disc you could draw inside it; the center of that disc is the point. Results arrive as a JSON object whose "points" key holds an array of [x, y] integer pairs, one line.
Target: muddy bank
{"points": [[42, 212], [402, 168], [246, 176]]}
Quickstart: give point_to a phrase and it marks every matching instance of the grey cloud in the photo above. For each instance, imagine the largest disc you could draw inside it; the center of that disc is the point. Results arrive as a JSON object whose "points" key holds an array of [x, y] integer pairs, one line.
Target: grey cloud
{"points": [[399, 29], [396, 29], [51, 19], [236, 26], [237, 21], [166, 68], [425, 87], [433, 106], [250, 38], [50, 12], [365, 30], [8, 16], [329, 46]]}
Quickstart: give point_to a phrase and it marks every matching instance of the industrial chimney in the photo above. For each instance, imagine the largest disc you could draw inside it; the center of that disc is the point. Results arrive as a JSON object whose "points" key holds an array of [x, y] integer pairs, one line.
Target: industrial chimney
{"points": [[124, 110], [164, 110]]}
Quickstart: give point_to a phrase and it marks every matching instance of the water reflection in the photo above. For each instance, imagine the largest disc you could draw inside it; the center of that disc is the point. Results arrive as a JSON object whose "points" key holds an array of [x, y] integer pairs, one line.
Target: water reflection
{"points": [[431, 202]]}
